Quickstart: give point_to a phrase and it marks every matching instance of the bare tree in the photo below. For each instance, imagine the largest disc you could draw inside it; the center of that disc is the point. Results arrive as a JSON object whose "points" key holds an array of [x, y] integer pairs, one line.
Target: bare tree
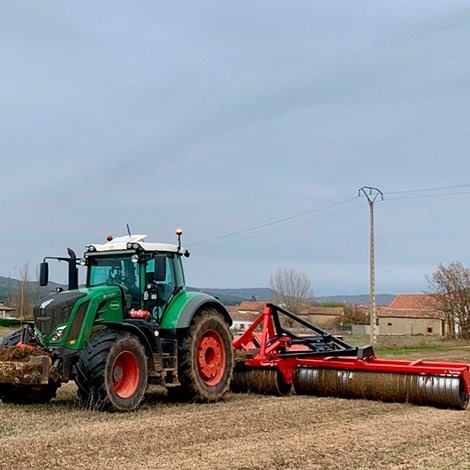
{"points": [[292, 288], [22, 303], [354, 315], [450, 288]]}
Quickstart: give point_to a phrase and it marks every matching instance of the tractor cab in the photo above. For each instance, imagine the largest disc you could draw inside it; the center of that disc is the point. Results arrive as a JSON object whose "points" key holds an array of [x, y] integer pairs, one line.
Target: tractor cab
{"points": [[127, 279], [148, 274]]}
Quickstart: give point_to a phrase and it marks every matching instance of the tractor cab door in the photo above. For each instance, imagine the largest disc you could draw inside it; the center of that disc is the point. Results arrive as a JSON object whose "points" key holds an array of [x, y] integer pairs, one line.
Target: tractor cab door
{"points": [[163, 275]]}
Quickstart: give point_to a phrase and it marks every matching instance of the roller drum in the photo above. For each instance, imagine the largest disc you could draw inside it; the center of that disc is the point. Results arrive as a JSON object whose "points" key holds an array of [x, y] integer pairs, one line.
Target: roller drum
{"points": [[439, 390], [262, 381]]}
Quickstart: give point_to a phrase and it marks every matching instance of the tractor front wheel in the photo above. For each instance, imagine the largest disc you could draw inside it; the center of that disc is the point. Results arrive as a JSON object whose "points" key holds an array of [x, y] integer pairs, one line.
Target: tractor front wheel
{"points": [[20, 394], [205, 358], [111, 373]]}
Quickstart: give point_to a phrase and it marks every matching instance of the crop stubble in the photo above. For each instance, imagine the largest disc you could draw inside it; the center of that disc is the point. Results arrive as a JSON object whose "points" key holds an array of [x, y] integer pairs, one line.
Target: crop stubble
{"points": [[242, 432]]}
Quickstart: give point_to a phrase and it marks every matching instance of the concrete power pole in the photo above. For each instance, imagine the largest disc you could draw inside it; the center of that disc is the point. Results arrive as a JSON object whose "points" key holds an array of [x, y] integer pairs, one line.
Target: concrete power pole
{"points": [[372, 194]]}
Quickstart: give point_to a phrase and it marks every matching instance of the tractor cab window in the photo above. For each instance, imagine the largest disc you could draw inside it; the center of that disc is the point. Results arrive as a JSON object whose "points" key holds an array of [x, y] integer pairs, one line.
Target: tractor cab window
{"points": [[116, 272], [179, 275], [160, 273]]}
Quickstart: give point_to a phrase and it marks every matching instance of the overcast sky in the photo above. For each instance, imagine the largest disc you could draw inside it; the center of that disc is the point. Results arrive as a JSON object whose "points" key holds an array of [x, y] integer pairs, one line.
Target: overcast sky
{"points": [[219, 116]]}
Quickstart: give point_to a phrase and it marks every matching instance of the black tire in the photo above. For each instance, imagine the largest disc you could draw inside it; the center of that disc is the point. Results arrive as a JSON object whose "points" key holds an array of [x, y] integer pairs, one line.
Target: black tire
{"points": [[111, 372], [194, 385], [25, 394], [28, 394]]}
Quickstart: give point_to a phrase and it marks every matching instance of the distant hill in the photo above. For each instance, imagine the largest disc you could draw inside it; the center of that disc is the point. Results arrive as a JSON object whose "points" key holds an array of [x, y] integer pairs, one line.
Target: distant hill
{"points": [[9, 288], [235, 296]]}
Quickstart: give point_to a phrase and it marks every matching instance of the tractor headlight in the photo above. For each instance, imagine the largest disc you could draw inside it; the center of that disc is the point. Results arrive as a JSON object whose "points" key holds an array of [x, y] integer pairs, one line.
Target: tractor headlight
{"points": [[133, 246], [91, 248], [58, 333]]}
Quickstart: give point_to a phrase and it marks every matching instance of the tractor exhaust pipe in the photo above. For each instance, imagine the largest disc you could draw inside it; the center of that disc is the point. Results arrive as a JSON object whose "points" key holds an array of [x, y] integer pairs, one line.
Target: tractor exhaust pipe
{"points": [[73, 270]]}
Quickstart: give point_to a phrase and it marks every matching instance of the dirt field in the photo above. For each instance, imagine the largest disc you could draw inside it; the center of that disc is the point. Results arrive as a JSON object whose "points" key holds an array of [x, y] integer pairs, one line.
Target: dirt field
{"points": [[243, 432]]}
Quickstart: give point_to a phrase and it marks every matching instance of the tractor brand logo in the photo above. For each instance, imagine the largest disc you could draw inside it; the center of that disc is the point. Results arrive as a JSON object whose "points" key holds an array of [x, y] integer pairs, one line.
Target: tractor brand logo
{"points": [[114, 305], [46, 303]]}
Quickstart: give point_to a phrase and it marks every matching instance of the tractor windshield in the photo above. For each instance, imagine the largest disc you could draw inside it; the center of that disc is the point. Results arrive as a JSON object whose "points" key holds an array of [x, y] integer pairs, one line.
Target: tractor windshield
{"points": [[115, 271]]}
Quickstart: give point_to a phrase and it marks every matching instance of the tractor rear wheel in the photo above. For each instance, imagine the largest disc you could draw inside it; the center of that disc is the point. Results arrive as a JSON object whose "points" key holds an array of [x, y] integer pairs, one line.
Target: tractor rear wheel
{"points": [[205, 359], [111, 373], [25, 394]]}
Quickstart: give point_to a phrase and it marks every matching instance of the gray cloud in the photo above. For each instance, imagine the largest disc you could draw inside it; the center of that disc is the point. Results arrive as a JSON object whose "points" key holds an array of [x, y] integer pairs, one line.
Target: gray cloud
{"points": [[218, 117]]}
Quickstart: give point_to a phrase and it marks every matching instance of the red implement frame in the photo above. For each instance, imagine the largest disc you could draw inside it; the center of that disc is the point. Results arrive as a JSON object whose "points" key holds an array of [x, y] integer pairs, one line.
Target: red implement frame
{"points": [[276, 347]]}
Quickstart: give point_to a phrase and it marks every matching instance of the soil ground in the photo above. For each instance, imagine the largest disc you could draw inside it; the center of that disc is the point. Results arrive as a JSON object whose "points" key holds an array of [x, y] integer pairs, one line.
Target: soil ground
{"points": [[242, 432]]}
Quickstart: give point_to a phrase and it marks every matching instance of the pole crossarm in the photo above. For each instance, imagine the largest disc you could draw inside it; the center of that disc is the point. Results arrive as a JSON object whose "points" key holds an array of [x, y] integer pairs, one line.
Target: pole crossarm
{"points": [[371, 193]]}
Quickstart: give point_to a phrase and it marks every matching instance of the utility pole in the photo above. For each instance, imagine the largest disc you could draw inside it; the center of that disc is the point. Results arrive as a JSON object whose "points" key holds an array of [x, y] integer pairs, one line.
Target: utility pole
{"points": [[372, 194]]}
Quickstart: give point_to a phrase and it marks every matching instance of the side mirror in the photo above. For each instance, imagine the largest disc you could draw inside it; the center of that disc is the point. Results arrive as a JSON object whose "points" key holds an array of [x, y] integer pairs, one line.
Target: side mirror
{"points": [[43, 274]]}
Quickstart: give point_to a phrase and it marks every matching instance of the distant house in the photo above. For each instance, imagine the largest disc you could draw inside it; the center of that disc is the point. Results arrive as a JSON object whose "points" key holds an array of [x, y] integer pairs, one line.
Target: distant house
{"points": [[251, 306], [241, 320], [324, 317], [6, 311], [412, 301], [411, 314]]}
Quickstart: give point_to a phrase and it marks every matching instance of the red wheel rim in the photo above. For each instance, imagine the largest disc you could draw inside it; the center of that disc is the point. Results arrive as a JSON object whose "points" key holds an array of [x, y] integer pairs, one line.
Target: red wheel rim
{"points": [[125, 374], [211, 358]]}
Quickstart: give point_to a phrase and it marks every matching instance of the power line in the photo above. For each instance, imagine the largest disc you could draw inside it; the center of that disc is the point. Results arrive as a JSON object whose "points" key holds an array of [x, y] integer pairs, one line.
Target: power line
{"points": [[436, 188], [240, 235], [426, 196], [206, 249], [272, 222]]}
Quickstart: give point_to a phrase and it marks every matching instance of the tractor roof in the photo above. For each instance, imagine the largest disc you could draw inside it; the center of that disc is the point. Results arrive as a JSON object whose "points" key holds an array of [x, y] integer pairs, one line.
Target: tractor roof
{"points": [[121, 243]]}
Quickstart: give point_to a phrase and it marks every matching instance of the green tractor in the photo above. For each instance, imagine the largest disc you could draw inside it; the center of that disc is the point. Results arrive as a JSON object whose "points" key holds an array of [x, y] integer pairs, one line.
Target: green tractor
{"points": [[133, 324]]}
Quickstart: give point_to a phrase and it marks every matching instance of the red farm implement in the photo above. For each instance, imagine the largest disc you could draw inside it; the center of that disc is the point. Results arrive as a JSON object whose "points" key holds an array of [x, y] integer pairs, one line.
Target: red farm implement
{"points": [[271, 358]]}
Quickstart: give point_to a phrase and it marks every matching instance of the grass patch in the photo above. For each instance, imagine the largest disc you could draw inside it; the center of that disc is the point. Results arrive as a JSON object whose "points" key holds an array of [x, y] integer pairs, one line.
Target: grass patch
{"points": [[395, 350]]}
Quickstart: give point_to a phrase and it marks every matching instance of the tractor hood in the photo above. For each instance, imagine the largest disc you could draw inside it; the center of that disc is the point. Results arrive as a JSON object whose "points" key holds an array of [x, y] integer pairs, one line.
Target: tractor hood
{"points": [[57, 308]]}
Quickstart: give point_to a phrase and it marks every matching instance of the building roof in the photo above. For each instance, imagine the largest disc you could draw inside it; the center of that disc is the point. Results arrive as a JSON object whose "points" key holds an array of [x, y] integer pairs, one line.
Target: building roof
{"points": [[428, 313], [236, 315], [258, 307], [244, 316], [412, 301], [252, 306], [5, 308], [314, 310], [411, 306]]}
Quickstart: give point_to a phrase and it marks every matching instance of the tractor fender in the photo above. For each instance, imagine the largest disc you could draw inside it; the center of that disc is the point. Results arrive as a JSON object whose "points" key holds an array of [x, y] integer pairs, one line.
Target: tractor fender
{"points": [[198, 303], [146, 337]]}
